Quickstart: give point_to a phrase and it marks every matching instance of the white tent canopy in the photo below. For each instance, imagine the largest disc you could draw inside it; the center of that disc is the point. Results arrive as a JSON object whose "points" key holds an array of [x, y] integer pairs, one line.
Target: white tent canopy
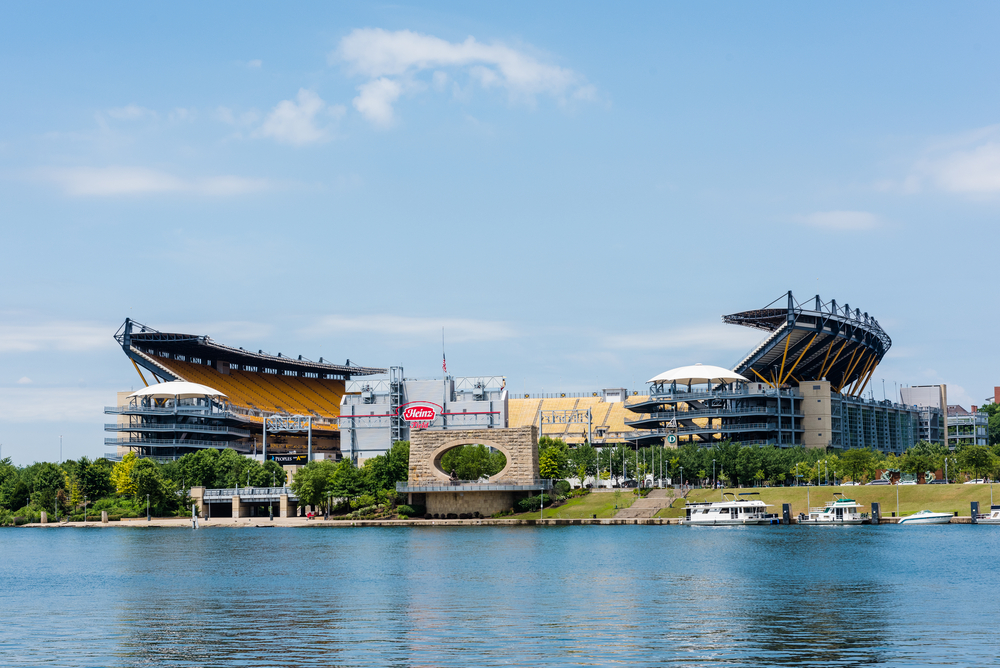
{"points": [[177, 388], [698, 374]]}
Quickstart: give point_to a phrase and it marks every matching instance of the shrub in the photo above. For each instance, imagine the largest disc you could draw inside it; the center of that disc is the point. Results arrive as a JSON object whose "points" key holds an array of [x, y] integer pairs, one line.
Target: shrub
{"points": [[363, 501], [562, 487], [405, 510], [578, 492], [533, 503]]}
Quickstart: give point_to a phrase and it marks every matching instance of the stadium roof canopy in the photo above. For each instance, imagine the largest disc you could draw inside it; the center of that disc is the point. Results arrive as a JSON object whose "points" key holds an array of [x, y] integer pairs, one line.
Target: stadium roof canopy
{"points": [[697, 374], [134, 336], [177, 388], [813, 341]]}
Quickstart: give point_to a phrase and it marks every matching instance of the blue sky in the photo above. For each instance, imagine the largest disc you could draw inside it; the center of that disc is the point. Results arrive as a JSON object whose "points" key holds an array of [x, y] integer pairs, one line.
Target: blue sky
{"points": [[576, 193]]}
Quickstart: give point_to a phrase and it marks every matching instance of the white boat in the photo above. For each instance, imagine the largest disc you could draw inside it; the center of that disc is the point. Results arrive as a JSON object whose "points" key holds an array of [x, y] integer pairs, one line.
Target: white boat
{"points": [[926, 517], [731, 510], [839, 511], [993, 517]]}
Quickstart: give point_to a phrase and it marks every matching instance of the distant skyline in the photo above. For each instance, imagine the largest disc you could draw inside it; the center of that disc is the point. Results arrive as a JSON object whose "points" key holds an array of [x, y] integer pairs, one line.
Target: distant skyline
{"points": [[576, 194]]}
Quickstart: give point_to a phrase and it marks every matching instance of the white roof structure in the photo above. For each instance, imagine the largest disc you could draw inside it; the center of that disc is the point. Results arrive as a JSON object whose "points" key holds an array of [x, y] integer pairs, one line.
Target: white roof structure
{"points": [[698, 374], [177, 388]]}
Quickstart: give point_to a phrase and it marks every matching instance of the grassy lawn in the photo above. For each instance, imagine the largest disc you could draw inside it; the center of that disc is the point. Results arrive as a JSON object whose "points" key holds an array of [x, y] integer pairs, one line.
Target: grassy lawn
{"points": [[676, 509], [601, 504], [939, 498]]}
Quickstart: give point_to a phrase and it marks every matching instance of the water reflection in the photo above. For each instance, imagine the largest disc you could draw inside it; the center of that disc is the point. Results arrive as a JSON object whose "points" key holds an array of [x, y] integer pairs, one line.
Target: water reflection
{"points": [[734, 596]]}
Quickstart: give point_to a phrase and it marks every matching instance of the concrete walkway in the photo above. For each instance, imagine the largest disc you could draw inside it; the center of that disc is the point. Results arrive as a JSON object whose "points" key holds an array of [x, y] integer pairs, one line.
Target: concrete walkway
{"points": [[657, 500]]}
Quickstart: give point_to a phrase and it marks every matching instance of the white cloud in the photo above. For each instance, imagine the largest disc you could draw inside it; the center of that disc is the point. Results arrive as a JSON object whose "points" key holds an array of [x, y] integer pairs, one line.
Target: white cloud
{"points": [[966, 164], [255, 64], [24, 380], [457, 330], [712, 337], [844, 221], [376, 99], [397, 57], [110, 181], [181, 114], [56, 404], [295, 122], [228, 116], [67, 336], [131, 112], [972, 171]]}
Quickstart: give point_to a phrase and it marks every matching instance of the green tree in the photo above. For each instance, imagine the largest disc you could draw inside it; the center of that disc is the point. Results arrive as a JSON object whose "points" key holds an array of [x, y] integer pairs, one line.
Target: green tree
{"points": [[993, 425], [548, 465], [201, 468], [47, 481], [583, 461], [559, 453], [976, 458], [384, 471], [314, 481], [472, 462], [146, 479], [348, 480], [95, 477], [858, 463]]}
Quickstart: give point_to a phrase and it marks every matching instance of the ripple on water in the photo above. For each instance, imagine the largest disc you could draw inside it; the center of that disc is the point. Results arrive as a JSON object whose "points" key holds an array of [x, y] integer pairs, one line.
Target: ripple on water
{"points": [[496, 596]]}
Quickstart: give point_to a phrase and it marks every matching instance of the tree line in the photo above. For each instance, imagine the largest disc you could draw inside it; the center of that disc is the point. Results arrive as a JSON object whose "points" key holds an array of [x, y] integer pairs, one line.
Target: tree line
{"points": [[737, 465]]}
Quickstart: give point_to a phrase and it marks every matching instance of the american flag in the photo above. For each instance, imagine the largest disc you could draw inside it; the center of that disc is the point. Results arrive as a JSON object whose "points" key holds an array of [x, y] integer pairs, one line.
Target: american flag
{"points": [[444, 362]]}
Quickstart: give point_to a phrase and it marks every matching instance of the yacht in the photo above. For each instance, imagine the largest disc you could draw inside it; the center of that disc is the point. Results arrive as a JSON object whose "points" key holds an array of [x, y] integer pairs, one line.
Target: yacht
{"points": [[992, 517], [839, 511], [733, 509], [926, 517]]}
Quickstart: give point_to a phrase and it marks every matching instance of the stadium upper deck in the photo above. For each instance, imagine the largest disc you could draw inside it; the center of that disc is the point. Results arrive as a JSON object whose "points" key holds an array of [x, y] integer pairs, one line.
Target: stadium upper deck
{"points": [[826, 341], [255, 386]]}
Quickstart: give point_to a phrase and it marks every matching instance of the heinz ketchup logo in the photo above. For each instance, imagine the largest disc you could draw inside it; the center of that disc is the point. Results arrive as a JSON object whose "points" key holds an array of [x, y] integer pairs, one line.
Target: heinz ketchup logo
{"points": [[419, 414]]}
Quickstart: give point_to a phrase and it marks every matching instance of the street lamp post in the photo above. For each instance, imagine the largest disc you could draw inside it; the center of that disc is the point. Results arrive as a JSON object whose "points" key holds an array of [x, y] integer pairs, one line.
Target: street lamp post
{"points": [[682, 477], [327, 514], [715, 482], [270, 505], [147, 507], [84, 508]]}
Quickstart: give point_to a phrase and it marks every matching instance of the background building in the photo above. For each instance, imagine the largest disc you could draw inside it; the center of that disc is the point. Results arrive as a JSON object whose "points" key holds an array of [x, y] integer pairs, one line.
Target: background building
{"points": [[967, 427], [374, 413], [931, 402]]}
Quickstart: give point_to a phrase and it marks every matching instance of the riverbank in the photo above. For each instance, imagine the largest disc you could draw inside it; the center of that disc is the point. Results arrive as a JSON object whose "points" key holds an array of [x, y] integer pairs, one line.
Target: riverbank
{"points": [[298, 522], [912, 498]]}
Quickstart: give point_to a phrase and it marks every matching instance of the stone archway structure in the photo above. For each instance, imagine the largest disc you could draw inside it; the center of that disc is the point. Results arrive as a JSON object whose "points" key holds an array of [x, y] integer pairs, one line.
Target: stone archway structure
{"points": [[444, 496], [519, 446]]}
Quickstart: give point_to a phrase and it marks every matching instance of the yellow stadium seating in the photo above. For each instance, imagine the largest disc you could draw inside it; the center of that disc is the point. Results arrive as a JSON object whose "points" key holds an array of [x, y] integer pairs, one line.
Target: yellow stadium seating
{"points": [[267, 392]]}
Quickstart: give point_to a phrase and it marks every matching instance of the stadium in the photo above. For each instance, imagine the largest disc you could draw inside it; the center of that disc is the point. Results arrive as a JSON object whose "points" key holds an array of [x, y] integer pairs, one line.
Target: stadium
{"points": [[209, 395], [803, 385]]}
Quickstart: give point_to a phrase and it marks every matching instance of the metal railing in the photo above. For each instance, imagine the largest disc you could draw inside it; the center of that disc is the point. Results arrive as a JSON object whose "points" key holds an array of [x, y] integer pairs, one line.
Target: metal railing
{"points": [[249, 492], [180, 442], [178, 426], [683, 396], [470, 486], [711, 412]]}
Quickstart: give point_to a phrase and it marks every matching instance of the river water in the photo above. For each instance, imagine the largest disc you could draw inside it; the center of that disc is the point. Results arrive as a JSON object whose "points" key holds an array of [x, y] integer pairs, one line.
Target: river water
{"points": [[499, 596]]}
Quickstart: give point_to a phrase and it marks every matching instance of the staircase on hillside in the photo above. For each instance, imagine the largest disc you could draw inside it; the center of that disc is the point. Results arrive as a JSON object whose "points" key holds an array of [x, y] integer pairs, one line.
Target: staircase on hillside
{"points": [[657, 500]]}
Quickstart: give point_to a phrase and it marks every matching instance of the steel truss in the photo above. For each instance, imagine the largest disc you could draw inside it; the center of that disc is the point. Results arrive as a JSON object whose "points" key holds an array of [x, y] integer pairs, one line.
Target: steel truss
{"points": [[813, 341]]}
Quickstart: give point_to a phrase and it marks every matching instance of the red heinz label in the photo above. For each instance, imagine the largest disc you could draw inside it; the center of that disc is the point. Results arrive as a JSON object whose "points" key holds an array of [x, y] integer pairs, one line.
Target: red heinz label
{"points": [[418, 414]]}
